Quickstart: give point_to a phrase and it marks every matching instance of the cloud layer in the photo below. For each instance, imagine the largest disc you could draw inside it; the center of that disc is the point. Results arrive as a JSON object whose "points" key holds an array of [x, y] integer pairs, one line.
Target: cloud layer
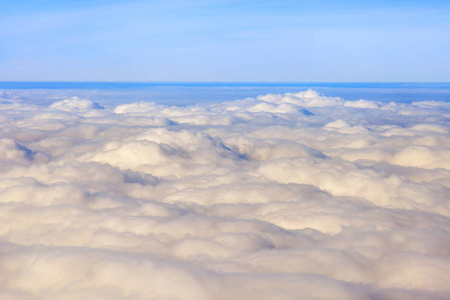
{"points": [[278, 197]]}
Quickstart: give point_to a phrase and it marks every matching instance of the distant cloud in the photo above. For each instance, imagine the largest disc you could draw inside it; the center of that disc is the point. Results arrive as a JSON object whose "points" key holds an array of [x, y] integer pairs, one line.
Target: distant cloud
{"points": [[75, 104], [361, 104]]}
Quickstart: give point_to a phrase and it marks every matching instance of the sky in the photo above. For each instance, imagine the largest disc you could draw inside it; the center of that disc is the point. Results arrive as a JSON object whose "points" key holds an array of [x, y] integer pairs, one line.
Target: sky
{"points": [[225, 40]]}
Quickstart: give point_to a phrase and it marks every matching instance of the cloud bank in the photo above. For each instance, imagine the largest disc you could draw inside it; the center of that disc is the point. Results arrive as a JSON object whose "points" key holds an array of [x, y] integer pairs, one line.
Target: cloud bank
{"points": [[278, 197]]}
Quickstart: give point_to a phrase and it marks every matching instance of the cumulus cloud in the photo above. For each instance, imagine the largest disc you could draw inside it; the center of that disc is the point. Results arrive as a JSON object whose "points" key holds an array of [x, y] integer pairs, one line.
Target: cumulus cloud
{"points": [[277, 197], [361, 104], [75, 104]]}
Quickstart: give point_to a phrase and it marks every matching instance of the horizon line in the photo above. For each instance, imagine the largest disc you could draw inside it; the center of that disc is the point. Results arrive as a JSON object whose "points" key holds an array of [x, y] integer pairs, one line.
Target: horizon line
{"points": [[179, 81]]}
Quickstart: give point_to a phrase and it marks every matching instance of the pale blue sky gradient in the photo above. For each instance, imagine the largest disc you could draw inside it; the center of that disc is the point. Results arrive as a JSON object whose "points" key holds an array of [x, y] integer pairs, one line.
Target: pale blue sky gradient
{"points": [[294, 41]]}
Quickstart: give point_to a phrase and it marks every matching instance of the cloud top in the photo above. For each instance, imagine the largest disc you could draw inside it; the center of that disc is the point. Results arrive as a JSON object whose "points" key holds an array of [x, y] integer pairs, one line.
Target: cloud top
{"points": [[75, 104], [265, 198]]}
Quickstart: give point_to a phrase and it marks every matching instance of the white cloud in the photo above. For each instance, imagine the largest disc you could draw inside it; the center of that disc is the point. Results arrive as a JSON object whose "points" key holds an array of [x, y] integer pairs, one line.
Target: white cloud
{"points": [[75, 104], [361, 104], [309, 98], [250, 199]]}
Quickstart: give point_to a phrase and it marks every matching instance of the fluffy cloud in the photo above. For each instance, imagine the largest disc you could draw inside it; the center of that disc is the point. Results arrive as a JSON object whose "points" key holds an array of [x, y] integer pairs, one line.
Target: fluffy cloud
{"points": [[75, 104], [361, 104], [269, 198]]}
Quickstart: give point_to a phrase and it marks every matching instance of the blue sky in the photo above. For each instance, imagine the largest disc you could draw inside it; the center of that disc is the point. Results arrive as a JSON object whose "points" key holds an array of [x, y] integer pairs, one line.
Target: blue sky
{"points": [[224, 40]]}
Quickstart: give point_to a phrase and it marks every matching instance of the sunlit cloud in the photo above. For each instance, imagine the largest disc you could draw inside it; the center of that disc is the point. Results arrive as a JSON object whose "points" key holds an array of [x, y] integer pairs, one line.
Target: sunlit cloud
{"points": [[273, 197]]}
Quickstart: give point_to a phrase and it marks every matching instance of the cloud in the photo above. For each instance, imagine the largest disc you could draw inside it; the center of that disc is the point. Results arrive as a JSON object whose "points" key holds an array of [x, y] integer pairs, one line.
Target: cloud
{"points": [[75, 104], [265, 198], [361, 104], [309, 98]]}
